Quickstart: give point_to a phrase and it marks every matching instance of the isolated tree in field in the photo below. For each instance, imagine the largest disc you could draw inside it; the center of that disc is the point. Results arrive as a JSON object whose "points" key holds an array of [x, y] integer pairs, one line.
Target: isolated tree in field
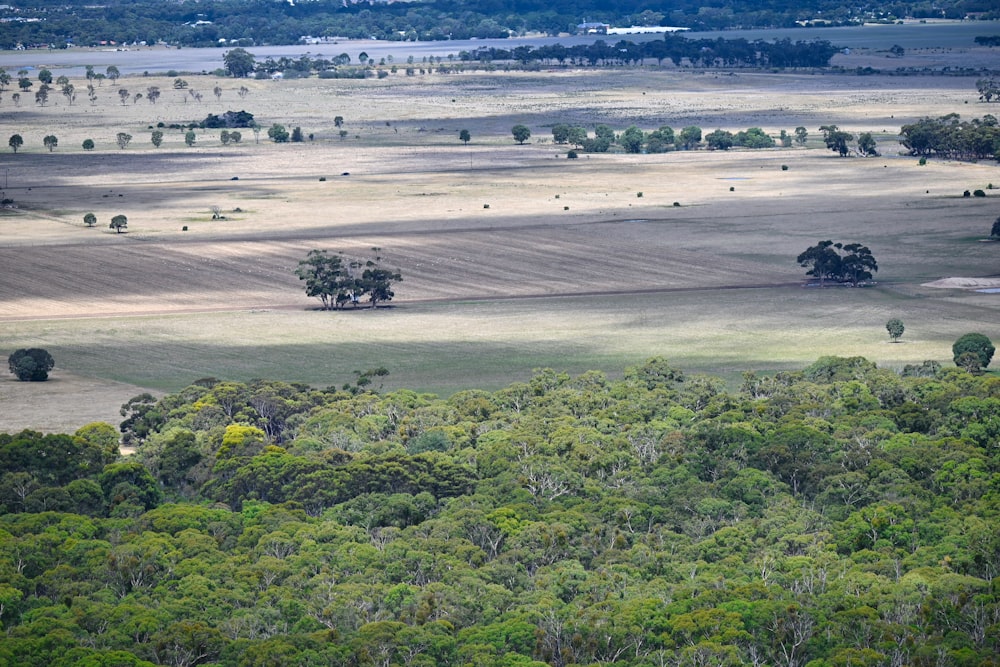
{"points": [[16, 97], [836, 139], [326, 278], [136, 98], [243, 92], [973, 352], [50, 141], [190, 137], [152, 94], [69, 92], [90, 74], [123, 95], [90, 219], [4, 79], [277, 133], [464, 137], [338, 121], [42, 95], [123, 138], [235, 136], [866, 145], [112, 73], [521, 133], [45, 76], [853, 263], [24, 83], [297, 134], [118, 223], [217, 91], [15, 141], [224, 137], [895, 328], [31, 364], [157, 138], [238, 62], [88, 144]]}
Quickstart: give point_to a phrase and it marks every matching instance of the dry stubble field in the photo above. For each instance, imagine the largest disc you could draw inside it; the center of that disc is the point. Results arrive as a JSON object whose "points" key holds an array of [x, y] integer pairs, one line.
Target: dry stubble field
{"points": [[568, 266]]}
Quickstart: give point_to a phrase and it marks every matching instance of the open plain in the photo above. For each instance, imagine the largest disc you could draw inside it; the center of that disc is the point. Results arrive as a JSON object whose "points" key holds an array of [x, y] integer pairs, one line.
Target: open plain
{"points": [[513, 256]]}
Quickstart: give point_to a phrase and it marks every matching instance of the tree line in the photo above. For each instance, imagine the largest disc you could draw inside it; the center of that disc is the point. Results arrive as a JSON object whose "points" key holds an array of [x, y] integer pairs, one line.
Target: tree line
{"points": [[250, 22], [838, 514]]}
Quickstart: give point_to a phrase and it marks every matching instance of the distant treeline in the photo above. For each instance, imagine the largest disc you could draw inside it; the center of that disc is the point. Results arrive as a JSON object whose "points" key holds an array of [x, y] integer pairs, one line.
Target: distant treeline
{"points": [[258, 22], [699, 52]]}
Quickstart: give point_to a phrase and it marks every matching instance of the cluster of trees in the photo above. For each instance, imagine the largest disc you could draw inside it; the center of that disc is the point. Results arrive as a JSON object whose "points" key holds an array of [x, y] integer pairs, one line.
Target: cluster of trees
{"points": [[951, 137], [843, 514], [839, 141], [261, 22], [841, 263], [337, 281]]}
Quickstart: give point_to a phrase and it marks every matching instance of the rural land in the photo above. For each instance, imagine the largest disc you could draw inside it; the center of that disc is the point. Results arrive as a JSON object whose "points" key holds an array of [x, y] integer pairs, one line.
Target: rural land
{"points": [[614, 411]]}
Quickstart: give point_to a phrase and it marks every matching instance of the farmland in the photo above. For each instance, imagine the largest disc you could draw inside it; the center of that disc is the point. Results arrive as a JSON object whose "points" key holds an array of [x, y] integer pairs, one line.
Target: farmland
{"points": [[513, 257]]}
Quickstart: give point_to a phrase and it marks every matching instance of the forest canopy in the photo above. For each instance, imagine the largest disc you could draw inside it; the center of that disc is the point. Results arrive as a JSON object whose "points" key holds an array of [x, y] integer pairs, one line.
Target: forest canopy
{"points": [[841, 514]]}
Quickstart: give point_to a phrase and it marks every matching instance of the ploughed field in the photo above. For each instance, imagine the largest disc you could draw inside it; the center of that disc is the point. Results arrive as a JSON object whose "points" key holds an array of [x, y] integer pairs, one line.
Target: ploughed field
{"points": [[513, 257]]}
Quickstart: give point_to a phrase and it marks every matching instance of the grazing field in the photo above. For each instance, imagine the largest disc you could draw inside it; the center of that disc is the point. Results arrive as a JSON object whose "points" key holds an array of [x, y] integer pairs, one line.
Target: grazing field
{"points": [[513, 257]]}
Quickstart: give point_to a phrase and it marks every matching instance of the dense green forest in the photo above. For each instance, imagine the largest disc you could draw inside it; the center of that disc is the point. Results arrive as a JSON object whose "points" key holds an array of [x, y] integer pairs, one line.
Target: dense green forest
{"points": [[843, 515], [250, 22]]}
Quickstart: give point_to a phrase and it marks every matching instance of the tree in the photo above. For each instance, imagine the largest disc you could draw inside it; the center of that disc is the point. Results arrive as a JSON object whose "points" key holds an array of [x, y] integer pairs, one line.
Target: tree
{"points": [[123, 95], [243, 92], [853, 263], [152, 94], [338, 121], [297, 134], [836, 139], [50, 141], [15, 142], [112, 73], [225, 137], [866, 144], [123, 138], [521, 133], [217, 91], [277, 133], [118, 223], [45, 76], [42, 95], [973, 351], [238, 62], [720, 140], [326, 278], [88, 144], [157, 138], [895, 328], [690, 137], [464, 137], [69, 92], [31, 364], [90, 219], [995, 231], [377, 282], [190, 137], [632, 140]]}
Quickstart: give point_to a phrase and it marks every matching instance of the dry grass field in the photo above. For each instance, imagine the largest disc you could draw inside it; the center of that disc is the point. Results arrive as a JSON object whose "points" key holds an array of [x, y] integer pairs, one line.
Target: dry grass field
{"points": [[568, 267]]}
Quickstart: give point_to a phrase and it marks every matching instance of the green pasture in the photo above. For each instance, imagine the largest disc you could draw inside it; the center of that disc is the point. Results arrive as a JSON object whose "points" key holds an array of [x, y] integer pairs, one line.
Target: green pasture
{"points": [[445, 347]]}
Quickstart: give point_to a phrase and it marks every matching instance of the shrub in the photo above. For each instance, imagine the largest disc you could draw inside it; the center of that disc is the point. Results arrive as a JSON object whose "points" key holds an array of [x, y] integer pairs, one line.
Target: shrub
{"points": [[322, 179], [88, 144], [978, 193], [966, 193], [572, 155], [784, 167], [922, 162], [677, 203], [639, 195]]}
